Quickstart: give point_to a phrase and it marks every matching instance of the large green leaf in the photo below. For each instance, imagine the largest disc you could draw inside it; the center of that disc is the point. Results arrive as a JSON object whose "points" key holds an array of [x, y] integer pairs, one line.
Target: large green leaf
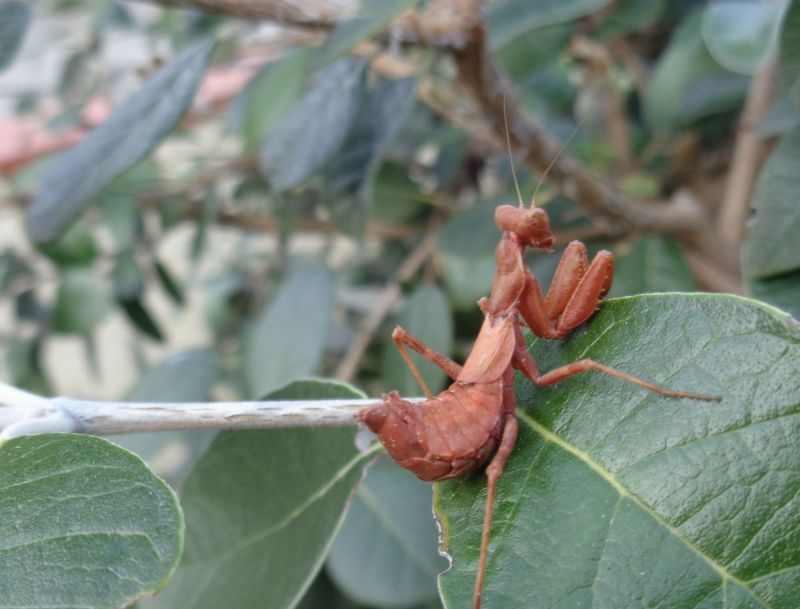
{"points": [[287, 339], [262, 508], [119, 143], [653, 264], [427, 316], [616, 497], [374, 16], [770, 245], [15, 15], [508, 19], [315, 128], [385, 555], [740, 35], [85, 524]]}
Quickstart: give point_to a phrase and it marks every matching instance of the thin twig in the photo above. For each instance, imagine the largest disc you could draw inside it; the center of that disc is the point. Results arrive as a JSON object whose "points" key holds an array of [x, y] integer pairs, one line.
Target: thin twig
{"points": [[749, 153], [23, 413], [349, 364], [316, 14]]}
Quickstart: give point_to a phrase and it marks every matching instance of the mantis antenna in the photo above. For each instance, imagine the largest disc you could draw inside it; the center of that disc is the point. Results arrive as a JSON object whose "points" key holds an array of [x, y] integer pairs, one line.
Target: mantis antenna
{"points": [[552, 163], [511, 156]]}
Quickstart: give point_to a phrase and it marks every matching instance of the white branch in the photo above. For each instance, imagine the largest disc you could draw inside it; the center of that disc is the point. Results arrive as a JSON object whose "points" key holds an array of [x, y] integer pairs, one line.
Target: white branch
{"points": [[23, 413]]}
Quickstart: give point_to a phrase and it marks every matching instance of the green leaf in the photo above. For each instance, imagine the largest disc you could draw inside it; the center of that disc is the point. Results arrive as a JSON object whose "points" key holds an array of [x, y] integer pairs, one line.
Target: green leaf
{"points": [[15, 15], [82, 302], [139, 315], [616, 497], [373, 17], [427, 316], [385, 554], [630, 16], [315, 128], [287, 339], [270, 95], [770, 245], [654, 264], [466, 247], [122, 141], [782, 116], [687, 83], [168, 282], [789, 66], [740, 35], [262, 508], [128, 276], [85, 524], [396, 197], [351, 177], [782, 291], [76, 247], [508, 19]]}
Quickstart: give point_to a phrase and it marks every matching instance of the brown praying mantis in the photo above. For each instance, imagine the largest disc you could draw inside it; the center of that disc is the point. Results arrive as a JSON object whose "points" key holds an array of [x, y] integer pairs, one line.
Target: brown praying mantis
{"points": [[472, 422]]}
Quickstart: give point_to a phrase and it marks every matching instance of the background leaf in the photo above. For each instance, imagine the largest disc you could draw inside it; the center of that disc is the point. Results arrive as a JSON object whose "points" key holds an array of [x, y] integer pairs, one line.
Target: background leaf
{"points": [[686, 83], [188, 376], [373, 17], [770, 245], [615, 497], [85, 524], [83, 300], [270, 95], [15, 15], [508, 19], [262, 508], [789, 67], [782, 291], [654, 264], [385, 554], [286, 341], [427, 316], [315, 128], [351, 177], [120, 142], [740, 35]]}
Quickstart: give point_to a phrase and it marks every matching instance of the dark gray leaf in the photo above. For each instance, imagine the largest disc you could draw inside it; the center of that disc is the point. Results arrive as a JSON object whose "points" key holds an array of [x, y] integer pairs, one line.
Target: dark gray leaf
{"points": [[120, 142], [314, 130], [351, 178]]}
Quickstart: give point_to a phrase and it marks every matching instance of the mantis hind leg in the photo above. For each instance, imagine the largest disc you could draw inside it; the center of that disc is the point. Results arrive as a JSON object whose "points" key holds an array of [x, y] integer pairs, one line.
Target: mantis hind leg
{"points": [[402, 339], [493, 472]]}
